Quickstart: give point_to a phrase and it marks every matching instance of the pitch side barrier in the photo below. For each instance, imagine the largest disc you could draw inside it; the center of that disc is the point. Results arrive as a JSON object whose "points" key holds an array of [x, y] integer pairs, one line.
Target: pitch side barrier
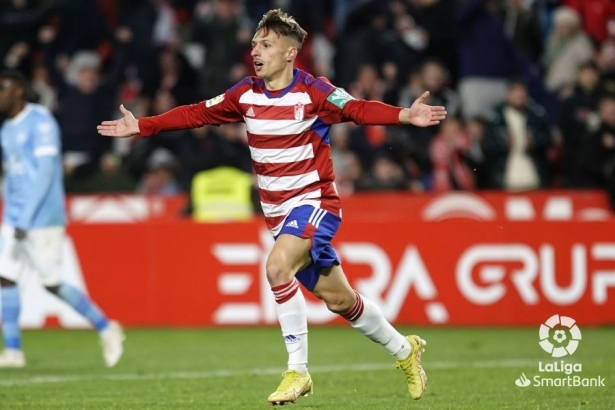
{"points": [[463, 258]]}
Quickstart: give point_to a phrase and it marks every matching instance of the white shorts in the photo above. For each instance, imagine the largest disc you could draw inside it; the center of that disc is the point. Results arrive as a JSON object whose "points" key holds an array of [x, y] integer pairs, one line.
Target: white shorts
{"points": [[40, 253]]}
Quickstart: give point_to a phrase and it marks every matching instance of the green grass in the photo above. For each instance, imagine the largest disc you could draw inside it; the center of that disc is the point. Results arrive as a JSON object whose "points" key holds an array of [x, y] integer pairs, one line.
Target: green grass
{"points": [[470, 369]]}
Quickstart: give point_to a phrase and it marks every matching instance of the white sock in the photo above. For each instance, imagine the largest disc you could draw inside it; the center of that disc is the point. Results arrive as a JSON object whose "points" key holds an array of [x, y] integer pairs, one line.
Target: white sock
{"points": [[367, 318], [291, 310]]}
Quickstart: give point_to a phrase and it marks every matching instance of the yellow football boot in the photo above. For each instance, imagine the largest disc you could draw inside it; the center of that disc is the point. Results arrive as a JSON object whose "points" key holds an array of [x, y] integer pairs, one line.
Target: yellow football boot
{"points": [[293, 386], [411, 365]]}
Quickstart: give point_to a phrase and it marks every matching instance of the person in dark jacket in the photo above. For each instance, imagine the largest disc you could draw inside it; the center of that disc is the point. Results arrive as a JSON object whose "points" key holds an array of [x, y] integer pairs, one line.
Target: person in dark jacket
{"points": [[86, 97], [517, 137], [576, 115]]}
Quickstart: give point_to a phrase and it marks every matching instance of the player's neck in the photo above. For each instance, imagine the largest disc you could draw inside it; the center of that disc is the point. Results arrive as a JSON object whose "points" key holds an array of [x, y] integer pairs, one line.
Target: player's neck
{"points": [[280, 81], [17, 108]]}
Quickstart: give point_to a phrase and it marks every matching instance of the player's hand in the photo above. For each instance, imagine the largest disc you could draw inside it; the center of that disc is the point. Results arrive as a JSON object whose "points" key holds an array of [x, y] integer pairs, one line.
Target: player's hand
{"points": [[122, 128], [20, 234], [421, 114]]}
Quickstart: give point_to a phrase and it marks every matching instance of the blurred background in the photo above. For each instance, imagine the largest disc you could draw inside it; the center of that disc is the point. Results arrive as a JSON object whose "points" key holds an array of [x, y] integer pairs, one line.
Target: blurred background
{"points": [[529, 86], [507, 204]]}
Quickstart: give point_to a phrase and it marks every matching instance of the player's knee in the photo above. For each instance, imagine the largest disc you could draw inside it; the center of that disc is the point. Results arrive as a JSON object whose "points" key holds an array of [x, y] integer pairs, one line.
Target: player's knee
{"points": [[278, 272], [53, 289]]}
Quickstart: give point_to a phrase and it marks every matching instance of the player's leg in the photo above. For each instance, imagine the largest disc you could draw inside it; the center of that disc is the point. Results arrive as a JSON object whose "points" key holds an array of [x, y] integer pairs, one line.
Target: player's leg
{"points": [[11, 266], [365, 316], [12, 355], [80, 302], [45, 252], [110, 332], [289, 255], [293, 259]]}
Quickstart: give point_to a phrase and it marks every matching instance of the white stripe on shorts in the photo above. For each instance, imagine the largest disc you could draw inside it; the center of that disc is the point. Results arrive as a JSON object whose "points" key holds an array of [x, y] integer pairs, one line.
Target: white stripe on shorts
{"points": [[316, 217]]}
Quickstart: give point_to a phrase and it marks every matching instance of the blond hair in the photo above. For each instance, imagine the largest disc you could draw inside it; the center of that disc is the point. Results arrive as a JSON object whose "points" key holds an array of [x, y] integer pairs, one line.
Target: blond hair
{"points": [[283, 25]]}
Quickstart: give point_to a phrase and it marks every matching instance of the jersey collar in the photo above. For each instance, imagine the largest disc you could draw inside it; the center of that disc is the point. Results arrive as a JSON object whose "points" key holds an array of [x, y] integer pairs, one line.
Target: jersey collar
{"points": [[20, 117], [285, 91]]}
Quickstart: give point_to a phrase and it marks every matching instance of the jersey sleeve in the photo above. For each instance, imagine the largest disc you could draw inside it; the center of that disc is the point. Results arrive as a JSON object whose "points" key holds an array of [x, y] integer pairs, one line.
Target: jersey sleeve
{"points": [[219, 110], [336, 106], [45, 146], [46, 138]]}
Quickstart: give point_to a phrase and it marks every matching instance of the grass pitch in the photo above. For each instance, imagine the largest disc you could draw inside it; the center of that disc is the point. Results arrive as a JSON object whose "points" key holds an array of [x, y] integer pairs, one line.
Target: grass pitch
{"points": [[468, 368]]}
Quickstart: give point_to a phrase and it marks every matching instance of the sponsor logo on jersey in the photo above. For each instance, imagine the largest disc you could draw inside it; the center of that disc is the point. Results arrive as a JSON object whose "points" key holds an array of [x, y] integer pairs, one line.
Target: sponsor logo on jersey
{"points": [[214, 101], [339, 97]]}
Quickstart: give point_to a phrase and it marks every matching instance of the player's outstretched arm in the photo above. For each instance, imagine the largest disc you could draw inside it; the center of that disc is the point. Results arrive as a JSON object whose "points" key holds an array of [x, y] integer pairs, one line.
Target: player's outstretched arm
{"points": [[122, 128], [421, 114]]}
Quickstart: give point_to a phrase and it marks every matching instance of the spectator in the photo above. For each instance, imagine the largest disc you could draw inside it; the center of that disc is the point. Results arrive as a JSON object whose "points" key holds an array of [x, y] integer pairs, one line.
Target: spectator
{"points": [[475, 129], [415, 142], [222, 194], [405, 44], [516, 140], [110, 176], [205, 148], [597, 158], [606, 64], [437, 17], [159, 179], [86, 98], [361, 43], [385, 175], [487, 58], [577, 115], [154, 26], [522, 27], [82, 26], [225, 32], [42, 87], [568, 47], [20, 21], [462, 51], [596, 16], [436, 79], [448, 155], [367, 84], [346, 164], [174, 76]]}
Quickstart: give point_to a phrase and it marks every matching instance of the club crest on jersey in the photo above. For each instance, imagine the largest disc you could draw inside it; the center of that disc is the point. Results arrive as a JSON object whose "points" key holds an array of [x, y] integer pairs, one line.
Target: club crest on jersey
{"points": [[214, 101], [299, 111]]}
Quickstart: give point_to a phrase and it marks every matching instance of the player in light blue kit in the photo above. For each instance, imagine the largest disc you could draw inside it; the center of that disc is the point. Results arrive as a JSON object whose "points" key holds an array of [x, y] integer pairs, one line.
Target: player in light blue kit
{"points": [[34, 219]]}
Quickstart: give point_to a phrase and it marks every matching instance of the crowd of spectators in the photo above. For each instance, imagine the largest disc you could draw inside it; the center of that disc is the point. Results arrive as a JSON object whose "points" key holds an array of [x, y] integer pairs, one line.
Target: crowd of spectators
{"points": [[529, 86]]}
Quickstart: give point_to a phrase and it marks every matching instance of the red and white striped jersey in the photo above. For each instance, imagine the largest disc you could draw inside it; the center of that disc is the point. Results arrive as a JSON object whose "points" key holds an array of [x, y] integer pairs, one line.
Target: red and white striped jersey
{"points": [[288, 135]]}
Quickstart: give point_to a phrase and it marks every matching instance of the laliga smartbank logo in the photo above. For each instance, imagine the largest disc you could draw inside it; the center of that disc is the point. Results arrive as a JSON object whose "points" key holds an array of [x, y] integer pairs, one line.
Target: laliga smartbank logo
{"points": [[559, 337]]}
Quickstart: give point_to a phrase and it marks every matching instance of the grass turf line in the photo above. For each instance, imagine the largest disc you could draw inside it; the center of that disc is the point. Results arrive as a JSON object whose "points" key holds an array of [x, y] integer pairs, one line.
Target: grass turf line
{"points": [[468, 368]]}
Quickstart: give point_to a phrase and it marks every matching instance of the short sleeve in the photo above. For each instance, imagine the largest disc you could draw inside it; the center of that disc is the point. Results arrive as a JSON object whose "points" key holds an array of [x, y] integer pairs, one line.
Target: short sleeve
{"points": [[46, 137]]}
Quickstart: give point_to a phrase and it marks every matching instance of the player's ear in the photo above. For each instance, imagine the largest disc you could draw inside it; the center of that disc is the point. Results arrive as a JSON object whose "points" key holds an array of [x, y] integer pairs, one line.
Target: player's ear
{"points": [[292, 54]]}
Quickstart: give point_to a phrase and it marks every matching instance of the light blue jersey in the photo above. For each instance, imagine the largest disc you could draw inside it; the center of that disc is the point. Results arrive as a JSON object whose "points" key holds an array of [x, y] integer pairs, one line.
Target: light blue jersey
{"points": [[33, 191]]}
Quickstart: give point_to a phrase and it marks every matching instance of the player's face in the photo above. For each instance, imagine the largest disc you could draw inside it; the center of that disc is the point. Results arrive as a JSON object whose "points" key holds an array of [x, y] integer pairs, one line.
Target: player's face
{"points": [[7, 95], [271, 53]]}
